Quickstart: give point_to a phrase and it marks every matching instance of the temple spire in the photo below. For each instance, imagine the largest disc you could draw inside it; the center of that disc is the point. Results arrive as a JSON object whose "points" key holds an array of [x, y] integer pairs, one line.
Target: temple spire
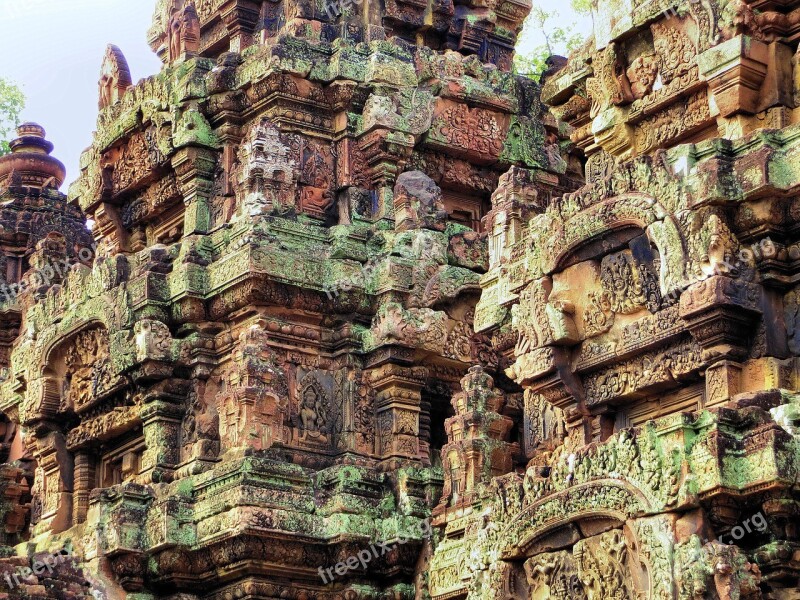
{"points": [[30, 163]]}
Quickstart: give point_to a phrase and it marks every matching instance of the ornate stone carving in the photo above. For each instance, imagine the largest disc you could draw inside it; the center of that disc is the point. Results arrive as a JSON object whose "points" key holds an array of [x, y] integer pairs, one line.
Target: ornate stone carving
{"points": [[268, 170], [314, 406], [115, 77], [622, 283], [88, 372], [314, 223], [183, 30]]}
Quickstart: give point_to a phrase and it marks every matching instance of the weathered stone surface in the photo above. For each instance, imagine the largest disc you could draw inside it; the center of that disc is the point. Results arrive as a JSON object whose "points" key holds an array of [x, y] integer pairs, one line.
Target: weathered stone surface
{"points": [[354, 321]]}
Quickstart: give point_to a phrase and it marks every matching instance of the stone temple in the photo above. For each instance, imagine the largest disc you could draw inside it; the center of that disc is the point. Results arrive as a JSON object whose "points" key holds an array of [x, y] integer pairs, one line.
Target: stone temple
{"points": [[341, 308]]}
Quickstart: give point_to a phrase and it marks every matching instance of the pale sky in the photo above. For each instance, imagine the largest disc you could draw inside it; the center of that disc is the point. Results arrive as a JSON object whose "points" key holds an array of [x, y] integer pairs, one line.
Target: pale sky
{"points": [[53, 49]]}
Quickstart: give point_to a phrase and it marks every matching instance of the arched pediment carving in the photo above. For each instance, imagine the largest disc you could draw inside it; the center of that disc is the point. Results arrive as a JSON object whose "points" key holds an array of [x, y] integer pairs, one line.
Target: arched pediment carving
{"points": [[555, 239], [609, 501], [115, 77], [72, 370]]}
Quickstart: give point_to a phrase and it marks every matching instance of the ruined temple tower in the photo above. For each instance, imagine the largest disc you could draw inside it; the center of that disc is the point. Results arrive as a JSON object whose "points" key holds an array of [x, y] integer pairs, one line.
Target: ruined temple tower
{"points": [[364, 315], [249, 382]]}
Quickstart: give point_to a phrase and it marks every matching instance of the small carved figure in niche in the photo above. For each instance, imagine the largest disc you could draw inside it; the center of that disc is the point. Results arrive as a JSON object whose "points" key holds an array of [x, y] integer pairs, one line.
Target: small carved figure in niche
{"points": [[791, 310], [621, 280], [79, 383], [312, 414], [316, 173], [316, 201], [201, 424], [189, 425], [37, 493], [552, 423], [183, 32]]}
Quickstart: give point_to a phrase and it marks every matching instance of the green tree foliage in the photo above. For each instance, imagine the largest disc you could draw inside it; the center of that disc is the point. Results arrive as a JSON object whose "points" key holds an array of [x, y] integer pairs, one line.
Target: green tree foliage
{"points": [[582, 7], [12, 102], [557, 40]]}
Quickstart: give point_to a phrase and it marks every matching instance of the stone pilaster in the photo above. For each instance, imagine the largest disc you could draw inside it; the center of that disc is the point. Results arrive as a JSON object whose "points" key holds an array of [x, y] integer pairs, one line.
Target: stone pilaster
{"points": [[195, 169], [398, 405], [85, 473], [161, 418]]}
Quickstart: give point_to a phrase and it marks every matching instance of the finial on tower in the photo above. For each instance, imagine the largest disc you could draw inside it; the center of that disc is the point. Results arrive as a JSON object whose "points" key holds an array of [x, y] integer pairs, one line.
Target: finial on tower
{"points": [[30, 163]]}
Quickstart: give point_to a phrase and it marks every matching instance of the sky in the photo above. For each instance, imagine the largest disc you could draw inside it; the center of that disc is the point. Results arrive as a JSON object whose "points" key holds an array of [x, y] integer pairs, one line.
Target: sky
{"points": [[53, 50]]}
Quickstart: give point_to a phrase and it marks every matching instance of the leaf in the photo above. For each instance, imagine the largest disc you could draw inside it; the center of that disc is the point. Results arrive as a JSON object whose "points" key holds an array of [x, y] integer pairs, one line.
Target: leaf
{"points": [[12, 103], [582, 7], [558, 40]]}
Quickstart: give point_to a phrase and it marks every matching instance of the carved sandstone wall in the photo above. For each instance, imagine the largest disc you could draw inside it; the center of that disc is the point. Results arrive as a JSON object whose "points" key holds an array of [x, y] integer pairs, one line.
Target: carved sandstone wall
{"points": [[249, 381], [649, 317], [350, 275]]}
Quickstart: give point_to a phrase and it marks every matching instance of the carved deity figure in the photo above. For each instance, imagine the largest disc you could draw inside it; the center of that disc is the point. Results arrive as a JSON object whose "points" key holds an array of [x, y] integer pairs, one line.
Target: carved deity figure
{"points": [[316, 173], [201, 423], [601, 566], [37, 495], [734, 577], [554, 576], [622, 281], [183, 32], [643, 74], [87, 369], [312, 413], [153, 340]]}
